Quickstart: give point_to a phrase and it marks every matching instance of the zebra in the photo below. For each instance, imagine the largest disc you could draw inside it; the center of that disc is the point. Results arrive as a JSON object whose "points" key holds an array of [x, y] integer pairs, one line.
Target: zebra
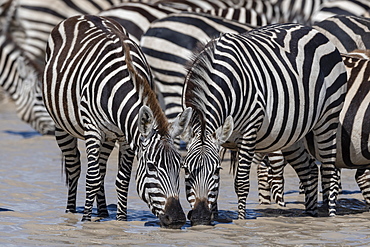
{"points": [[20, 78], [38, 17], [341, 7], [347, 33], [230, 110], [97, 86], [168, 45]]}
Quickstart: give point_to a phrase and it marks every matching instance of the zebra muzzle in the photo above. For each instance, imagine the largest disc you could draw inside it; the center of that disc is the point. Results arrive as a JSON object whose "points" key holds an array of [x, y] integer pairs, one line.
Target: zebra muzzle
{"points": [[201, 214], [173, 216]]}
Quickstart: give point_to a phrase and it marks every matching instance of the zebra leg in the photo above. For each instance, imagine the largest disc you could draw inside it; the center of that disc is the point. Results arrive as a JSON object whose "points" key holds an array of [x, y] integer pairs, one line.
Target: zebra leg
{"points": [[362, 177], [276, 176], [72, 163], [263, 172], [330, 184], [126, 158], [105, 151], [299, 158], [242, 184], [93, 176]]}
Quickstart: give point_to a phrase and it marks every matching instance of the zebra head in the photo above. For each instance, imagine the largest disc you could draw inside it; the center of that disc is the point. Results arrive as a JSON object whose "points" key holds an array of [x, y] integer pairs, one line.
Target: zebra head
{"points": [[28, 97], [202, 166], [159, 166]]}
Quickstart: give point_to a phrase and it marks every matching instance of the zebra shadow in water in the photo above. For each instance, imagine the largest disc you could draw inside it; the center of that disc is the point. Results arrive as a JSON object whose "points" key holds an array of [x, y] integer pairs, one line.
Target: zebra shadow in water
{"points": [[24, 134], [6, 210], [132, 215]]}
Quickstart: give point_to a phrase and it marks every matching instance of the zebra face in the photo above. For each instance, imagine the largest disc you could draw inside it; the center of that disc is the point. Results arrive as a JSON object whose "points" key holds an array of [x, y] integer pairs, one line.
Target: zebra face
{"points": [[29, 102], [159, 166], [202, 166]]}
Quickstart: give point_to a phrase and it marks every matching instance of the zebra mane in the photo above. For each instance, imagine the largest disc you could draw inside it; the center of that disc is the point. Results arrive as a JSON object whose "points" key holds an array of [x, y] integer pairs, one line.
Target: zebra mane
{"points": [[195, 81], [147, 93]]}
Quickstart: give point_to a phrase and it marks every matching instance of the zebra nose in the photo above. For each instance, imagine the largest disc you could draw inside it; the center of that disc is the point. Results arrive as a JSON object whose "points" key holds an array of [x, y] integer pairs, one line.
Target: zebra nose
{"points": [[201, 214], [174, 216]]}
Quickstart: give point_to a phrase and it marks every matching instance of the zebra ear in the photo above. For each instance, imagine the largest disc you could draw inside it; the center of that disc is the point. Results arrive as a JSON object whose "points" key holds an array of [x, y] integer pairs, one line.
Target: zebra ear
{"points": [[145, 121], [181, 122], [223, 133]]}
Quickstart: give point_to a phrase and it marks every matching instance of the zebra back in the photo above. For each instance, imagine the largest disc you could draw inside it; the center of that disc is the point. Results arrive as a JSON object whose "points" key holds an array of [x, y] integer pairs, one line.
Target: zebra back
{"points": [[169, 43], [347, 33]]}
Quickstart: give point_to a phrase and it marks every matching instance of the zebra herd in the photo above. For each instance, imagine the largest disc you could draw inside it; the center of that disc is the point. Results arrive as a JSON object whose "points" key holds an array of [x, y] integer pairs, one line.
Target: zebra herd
{"points": [[271, 80]]}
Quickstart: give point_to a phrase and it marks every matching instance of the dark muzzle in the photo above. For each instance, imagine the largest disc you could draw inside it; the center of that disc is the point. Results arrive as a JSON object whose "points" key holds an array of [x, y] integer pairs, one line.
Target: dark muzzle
{"points": [[201, 214], [174, 216]]}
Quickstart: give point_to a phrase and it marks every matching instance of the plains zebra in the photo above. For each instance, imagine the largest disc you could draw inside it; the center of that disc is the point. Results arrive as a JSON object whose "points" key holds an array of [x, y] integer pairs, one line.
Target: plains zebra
{"points": [[242, 87], [98, 87], [20, 77], [168, 45], [38, 17], [341, 7], [347, 33]]}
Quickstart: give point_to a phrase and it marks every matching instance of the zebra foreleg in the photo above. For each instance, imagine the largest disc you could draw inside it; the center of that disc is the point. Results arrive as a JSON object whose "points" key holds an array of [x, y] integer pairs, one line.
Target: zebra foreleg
{"points": [[126, 158], [105, 151], [72, 165], [242, 183], [330, 184]]}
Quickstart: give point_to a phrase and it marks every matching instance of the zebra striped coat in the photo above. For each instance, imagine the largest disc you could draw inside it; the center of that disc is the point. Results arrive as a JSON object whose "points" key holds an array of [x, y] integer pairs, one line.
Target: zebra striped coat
{"points": [[168, 45], [97, 86], [20, 77], [242, 89]]}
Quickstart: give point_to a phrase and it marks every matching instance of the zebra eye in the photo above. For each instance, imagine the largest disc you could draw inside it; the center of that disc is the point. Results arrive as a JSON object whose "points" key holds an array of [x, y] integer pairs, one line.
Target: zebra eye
{"points": [[217, 172], [186, 169]]}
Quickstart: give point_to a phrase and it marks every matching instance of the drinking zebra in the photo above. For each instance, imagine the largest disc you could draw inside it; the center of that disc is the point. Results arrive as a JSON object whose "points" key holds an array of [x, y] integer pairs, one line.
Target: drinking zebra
{"points": [[242, 88], [20, 77], [98, 87]]}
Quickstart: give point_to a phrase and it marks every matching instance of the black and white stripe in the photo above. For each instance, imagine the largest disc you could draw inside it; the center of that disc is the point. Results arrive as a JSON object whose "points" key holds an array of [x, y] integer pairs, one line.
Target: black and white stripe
{"points": [[341, 7], [20, 77], [169, 43], [98, 87], [253, 92]]}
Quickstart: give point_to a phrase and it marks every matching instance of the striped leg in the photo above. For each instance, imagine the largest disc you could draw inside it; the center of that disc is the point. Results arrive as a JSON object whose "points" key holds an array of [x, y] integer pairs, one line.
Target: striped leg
{"points": [[362, 177], [276, 176], [105, 151], [307, 171], [263, 170], [93, 176], [126, 158], [242, 183], [330, 184], [71, 155]]}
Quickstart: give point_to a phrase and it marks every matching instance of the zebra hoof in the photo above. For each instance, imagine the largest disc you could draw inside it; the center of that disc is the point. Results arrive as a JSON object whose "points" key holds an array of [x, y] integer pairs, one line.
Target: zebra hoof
{"points": [[282, 204], [121, 218], [312, 213], [103, 214], [86, 219], [73, 211]]}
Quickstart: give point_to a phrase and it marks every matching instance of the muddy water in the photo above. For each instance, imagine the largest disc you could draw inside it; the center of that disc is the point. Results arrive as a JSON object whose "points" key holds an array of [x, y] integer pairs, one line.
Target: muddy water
{"points": [[33, 197]]}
